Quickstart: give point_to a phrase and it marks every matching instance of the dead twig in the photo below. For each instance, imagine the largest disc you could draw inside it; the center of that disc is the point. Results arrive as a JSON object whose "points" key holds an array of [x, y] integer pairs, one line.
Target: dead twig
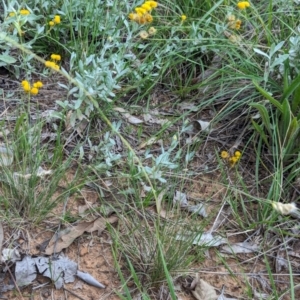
{"points": [[72, 293]]}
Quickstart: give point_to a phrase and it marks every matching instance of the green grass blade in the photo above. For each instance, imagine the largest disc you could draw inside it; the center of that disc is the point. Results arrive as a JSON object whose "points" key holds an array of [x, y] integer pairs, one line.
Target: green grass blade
{"points": [[168, 277], [294, 86], [268, 96], [264, 115], [124, 282], [261, 132]]}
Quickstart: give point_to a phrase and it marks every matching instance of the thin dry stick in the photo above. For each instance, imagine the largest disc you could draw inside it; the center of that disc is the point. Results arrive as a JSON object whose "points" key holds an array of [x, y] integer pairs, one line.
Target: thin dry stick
{"points": [[13, 279], [72, 293]]}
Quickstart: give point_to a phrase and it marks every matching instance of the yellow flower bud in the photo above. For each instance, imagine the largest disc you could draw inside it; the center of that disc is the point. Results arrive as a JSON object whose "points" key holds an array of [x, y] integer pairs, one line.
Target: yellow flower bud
{"points": [[56, 19], [146, 6], [224, 154], [140, 10], [38, 84], [148, 18], [153, 4], [34, 91], [24, 12], [243, 5]]}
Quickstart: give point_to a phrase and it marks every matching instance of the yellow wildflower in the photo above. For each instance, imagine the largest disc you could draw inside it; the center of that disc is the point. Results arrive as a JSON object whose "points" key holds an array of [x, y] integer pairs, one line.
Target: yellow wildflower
{"points": [[224, 154], [26, 85], [38, 84], [183, 18], [238, 24], [27, 88], [56, 19], [233, 160], [144, 34], [141, 20], [52, 65], [237, 154], [24, 82], [11, 14], [133, 16], [34, 91], [148, 18], [51, 23], [55, 57], [153, 4], [243, 5], [48, 63], [55, 67], [146, 6], [152, 31], [24, 12], [139, 14], [140, 10]]}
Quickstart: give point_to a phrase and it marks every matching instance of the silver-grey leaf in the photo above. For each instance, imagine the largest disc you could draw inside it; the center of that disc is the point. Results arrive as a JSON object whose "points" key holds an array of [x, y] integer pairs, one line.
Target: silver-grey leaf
{"points": [[25, 271], [203, 239], [86, 277], [59, 271], [12, 255], [198, 209], [180, 198], [244, 247]]}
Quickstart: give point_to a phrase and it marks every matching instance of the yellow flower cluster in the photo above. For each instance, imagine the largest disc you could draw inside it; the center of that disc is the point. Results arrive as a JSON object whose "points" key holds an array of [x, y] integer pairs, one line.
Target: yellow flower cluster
{"points": [[142, 14], [55, 20], [183, 18], [23, 12], [234, 23], [52, 65], [231, 159], [34, 89], [243, 5], [55, 57], [53, 62]]}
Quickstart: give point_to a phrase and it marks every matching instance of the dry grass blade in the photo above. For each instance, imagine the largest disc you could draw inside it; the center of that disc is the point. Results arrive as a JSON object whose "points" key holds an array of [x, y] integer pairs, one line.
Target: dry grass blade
{"points": [[1, 237]]}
